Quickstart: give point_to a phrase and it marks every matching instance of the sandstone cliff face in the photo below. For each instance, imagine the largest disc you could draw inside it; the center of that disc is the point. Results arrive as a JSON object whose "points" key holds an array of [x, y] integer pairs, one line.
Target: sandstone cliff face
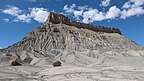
{"points": [[61, 19], [97, 50], [57, 19]]}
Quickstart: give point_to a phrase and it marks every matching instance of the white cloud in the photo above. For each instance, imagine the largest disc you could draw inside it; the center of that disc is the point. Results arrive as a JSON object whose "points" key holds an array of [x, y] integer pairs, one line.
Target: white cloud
{"points": [[132, 12], [127, 5], [17, 13], [105, 3], [113, 12], [12, 10], [137, 2], [24, 18], [78, 13], [84, 13], [71, 9], [83, 7], [90, 15], [132, 8], [95, 15], [133, 3], [38, 14]]}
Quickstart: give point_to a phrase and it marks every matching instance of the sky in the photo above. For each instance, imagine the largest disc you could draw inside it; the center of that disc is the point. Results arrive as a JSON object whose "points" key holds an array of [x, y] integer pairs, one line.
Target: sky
{"points": [[18, 17]]}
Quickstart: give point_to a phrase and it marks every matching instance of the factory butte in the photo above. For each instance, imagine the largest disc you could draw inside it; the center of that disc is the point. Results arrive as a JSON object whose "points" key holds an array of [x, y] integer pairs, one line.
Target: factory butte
{"points": [[66, 50]]}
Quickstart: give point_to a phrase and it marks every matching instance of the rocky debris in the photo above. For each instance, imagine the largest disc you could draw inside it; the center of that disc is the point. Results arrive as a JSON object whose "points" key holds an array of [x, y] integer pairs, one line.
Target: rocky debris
{"points": [[57, 63], [15, 63]]}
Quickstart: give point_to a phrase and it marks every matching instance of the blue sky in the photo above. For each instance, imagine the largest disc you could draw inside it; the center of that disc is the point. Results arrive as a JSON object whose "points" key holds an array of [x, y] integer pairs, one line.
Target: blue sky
{"points": [[18, 17]]}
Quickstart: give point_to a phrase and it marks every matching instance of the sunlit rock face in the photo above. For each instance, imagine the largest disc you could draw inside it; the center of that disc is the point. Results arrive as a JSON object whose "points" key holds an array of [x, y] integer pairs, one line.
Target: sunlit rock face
{"points": [[57, 19], [85, 53]]}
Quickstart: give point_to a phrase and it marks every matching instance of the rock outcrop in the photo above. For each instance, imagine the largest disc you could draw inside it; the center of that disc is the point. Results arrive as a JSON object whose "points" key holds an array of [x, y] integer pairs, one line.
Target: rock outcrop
{"points": [[61, 19], [57, 19], [86, 52]]}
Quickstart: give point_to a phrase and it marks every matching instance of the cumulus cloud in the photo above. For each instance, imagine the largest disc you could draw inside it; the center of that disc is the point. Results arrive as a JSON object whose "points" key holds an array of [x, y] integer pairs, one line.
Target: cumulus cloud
{"points": [[137, 2], [105, 3], [16, 12], [133, 3], [95, 15], [132, 8], [83, 13], [23, 18], [90, 15], [71, 9], [127, 5], [113, 12], [132, 12], [37, 14], [12, 10]]}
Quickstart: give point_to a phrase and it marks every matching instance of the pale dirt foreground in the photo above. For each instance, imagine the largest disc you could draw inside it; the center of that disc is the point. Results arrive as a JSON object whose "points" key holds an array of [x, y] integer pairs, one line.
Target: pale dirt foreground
{"points": [[92, 72]]}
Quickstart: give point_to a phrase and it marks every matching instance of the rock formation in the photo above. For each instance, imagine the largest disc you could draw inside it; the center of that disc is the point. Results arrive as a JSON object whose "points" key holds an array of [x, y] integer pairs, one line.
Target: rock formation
{"points": [[87, 53], [57, 63]]}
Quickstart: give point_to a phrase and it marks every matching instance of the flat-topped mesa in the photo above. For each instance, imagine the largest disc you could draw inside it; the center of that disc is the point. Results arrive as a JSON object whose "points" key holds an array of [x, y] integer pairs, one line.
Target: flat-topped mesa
{"points": [[55, 18]]}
